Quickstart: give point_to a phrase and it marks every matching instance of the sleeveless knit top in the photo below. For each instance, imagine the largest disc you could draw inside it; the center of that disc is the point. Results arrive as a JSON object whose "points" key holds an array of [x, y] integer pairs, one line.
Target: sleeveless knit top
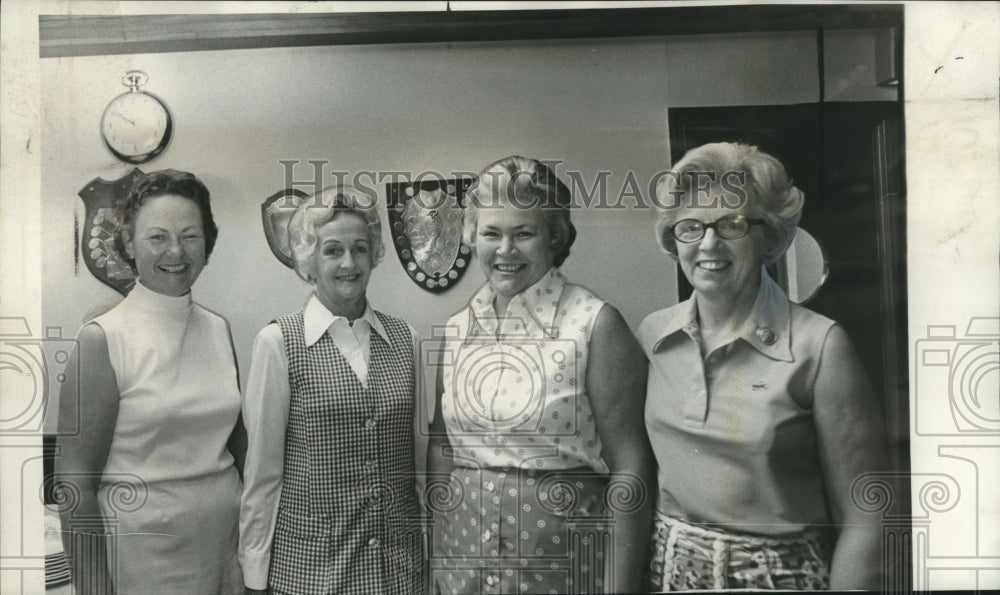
{"points": [[177, 384], [733, 432]]}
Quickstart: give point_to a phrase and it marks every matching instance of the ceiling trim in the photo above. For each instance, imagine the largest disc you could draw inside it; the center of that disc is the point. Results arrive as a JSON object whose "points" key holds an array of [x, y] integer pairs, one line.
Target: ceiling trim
{"points": [[90, 35]]}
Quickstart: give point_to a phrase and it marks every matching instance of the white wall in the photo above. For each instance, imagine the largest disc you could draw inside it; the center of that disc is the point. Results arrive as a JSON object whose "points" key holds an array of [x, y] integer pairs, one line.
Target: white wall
{"points": [[594, 104]]}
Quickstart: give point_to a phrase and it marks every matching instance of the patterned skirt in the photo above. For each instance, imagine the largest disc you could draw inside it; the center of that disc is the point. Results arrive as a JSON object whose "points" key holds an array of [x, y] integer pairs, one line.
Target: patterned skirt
{"points": [[521, 531], [684, 556]]}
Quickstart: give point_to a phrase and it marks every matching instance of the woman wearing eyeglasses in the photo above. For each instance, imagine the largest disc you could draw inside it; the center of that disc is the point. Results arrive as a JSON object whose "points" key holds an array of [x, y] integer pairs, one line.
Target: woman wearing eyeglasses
{"points": [[758, 410]]}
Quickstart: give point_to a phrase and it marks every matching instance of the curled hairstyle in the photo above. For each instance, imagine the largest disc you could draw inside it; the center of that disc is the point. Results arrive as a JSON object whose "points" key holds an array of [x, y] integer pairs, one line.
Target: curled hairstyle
{"points": [[160, 183], [769, 193], [323, 207], [523, 183]]}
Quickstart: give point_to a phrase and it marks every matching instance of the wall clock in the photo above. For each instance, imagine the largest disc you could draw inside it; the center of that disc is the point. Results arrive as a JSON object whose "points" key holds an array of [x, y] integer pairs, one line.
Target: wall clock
{"points": [[136, 126]]}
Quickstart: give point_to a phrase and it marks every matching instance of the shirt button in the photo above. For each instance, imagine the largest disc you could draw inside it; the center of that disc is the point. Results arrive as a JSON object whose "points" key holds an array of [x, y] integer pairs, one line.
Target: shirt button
{"points": [[487, 535], [766, 335], [490, 580], [369, 423], [374, 542], [370, 464], [490, 486]]}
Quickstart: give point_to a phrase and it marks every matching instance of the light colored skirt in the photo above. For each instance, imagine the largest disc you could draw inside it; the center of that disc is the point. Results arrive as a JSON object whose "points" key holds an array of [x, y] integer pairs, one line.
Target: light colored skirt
{"points": [[522, 531], [176, 536], [683, 556]]}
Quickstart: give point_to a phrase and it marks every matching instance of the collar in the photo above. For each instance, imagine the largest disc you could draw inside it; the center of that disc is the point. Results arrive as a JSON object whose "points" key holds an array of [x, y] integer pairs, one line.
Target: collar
{"points": [[317, 319], [537, 306], [767, 328], [144, 296]]}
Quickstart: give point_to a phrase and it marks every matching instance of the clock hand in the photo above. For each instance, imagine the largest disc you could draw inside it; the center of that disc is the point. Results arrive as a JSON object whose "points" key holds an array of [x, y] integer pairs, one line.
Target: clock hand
{"points": [[119, 115]]}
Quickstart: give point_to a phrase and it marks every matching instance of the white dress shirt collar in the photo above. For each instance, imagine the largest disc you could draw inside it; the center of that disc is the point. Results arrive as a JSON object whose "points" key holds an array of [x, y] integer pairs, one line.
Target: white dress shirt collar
{"points": [[317, 319]]}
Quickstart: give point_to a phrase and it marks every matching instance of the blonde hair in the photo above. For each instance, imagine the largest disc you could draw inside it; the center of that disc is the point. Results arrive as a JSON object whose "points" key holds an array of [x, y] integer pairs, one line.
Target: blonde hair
{"points": [[523, 183], [769, 193], [323, 207]]}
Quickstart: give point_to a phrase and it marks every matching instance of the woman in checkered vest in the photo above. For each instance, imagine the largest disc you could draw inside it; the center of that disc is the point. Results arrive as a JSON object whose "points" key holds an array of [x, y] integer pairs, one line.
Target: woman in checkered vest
{"points": [[330, 503], [539, 466]]}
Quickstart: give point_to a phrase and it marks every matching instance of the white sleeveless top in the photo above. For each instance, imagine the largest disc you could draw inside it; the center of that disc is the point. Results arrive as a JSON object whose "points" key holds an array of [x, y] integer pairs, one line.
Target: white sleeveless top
{"points": [[515, 392], [177, 384]]}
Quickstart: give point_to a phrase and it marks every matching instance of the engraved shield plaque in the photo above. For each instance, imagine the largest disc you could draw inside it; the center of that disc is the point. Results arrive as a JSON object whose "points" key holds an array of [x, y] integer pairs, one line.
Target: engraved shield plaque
{"points": [[97, 244], [275, 212], [425, 218]]}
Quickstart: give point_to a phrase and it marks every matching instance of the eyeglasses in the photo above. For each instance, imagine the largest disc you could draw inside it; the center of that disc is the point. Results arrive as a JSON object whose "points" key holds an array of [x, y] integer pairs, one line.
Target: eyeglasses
{"points": [[730, 227]]}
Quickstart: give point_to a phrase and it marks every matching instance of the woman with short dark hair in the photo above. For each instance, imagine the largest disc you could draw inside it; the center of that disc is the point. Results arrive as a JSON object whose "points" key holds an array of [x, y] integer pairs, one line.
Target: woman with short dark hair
{"points": [[153, 388]]}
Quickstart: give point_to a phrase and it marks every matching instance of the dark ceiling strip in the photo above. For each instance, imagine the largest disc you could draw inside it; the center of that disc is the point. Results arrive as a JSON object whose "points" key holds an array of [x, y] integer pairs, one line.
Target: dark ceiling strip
{"points": [[88, 35]]}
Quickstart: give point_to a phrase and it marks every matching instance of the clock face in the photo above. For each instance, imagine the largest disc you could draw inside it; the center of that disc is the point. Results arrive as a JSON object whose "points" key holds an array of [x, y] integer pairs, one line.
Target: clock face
{"points": [[136, 127]]}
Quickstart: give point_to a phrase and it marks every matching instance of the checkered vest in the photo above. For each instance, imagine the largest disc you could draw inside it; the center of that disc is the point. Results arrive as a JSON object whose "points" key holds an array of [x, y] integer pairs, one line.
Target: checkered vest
{"points": [[348, 515]]}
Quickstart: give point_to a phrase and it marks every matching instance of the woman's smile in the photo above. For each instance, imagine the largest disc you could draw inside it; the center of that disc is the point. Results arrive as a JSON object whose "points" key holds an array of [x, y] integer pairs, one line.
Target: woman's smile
{"points": [[342, 264], [713, 265], [719, 268], [168, 244], [513, 246], [509, 268]]}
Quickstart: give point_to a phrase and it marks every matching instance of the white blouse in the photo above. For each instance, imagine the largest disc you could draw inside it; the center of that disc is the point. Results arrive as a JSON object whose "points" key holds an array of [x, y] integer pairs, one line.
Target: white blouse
{"points": [[515, 394]]}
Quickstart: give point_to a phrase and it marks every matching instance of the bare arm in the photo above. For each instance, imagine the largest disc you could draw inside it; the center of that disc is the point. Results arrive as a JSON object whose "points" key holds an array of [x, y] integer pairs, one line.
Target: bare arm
{"points": [[851, 431], [616, 384], [237, 445], [88, 413]]}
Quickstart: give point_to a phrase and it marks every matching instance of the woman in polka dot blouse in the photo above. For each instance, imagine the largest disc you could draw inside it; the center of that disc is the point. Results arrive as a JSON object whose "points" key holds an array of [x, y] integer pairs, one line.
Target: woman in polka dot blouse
{"points": [[539, 462]]}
